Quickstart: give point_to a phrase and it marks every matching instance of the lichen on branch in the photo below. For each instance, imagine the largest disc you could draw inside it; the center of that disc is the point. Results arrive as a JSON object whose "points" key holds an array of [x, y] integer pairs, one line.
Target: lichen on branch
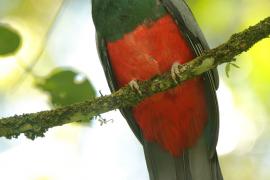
{"points": [[35, 124]]}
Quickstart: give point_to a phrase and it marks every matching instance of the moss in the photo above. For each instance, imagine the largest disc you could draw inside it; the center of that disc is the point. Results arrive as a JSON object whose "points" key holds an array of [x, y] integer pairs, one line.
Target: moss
{"points": [[208, 62]]}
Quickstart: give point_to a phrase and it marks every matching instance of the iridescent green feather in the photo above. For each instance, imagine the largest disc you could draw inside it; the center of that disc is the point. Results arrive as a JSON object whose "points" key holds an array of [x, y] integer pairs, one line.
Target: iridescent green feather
{"points": [[112, 21]]}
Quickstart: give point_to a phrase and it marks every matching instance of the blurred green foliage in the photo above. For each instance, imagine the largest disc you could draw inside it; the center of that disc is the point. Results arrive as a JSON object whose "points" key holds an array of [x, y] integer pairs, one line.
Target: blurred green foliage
{"points": [[9, 40], [66, 87], [249, 84]]}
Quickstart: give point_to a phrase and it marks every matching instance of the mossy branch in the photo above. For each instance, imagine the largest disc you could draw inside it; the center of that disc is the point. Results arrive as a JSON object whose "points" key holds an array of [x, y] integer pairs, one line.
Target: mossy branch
{"points": [[35, 124]]}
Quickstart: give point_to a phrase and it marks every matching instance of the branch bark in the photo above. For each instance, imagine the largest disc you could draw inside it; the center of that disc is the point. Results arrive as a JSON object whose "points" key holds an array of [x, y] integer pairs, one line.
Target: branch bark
{"points": [[35, 124]]}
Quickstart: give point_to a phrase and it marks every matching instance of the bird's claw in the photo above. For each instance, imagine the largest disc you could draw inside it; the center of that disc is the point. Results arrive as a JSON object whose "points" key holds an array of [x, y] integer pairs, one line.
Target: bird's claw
{"points": [[135, 86], [175, 73]]}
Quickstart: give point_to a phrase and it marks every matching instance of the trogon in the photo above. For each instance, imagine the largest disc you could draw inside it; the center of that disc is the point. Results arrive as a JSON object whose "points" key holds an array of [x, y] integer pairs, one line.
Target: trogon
{"points": [[178, 129]]}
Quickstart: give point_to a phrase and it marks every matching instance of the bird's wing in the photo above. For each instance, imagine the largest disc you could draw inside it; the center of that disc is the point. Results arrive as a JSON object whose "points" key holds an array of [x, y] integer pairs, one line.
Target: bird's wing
{"points": [[190, 29]]}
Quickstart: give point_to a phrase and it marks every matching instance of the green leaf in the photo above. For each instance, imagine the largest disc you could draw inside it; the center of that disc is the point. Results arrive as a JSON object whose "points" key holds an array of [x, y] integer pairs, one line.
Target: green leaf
{"points": [[66, 87], [235, 65], [10, 40], [227, 69]]}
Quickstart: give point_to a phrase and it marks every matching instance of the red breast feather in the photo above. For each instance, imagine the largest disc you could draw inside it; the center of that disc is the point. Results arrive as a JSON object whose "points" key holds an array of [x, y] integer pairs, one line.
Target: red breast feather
{"points": [[174, 119]]}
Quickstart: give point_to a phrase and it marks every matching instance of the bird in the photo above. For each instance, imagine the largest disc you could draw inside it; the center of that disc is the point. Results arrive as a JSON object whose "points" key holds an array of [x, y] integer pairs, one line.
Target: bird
{"points": [[178, 129]]}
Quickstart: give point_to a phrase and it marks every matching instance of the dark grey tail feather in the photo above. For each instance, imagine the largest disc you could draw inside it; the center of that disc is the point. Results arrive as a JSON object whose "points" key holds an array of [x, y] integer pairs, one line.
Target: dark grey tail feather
{"points": [[162, 166], [202, 166], [216, 168], [194, 164]]}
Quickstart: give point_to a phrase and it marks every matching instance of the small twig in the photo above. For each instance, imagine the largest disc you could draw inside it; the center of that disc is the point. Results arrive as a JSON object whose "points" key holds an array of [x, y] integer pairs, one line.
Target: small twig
{"points": [[103, 120]]}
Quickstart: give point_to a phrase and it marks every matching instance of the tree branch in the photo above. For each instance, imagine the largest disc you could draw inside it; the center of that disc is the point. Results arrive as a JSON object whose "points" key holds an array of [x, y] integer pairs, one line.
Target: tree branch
{"points": [[35, 124]]}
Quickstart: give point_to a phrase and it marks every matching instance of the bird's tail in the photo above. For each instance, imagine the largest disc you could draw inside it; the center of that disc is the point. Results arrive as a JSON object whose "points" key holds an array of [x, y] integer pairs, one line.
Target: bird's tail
{"points": [[193, 164]]}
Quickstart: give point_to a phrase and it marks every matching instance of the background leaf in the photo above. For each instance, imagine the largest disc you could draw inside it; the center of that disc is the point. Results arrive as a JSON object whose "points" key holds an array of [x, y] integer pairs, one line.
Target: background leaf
{"points": [[66, 87], [10, 40], [227, 69]]}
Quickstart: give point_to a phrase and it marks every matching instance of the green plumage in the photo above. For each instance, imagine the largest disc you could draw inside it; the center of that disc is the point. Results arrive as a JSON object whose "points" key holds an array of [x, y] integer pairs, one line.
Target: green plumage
{"points": [[112, 21]]}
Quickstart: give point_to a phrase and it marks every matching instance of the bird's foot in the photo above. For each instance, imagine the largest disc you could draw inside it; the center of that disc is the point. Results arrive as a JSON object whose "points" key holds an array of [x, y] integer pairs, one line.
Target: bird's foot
{"points": [[175, 73], [135, 86]]}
